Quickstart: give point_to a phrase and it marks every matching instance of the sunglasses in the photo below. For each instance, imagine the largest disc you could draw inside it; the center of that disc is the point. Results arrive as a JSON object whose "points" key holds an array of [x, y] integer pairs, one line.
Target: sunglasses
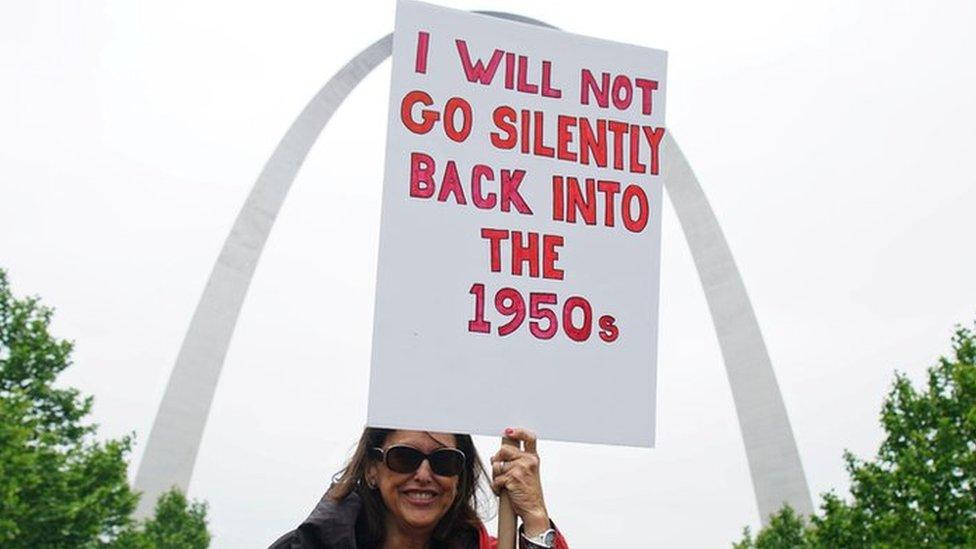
{"points": [[446, 462]]}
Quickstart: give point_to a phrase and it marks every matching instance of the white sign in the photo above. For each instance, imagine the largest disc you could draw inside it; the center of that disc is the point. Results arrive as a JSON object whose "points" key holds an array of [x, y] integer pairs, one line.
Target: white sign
{"points": [[521, 231]]}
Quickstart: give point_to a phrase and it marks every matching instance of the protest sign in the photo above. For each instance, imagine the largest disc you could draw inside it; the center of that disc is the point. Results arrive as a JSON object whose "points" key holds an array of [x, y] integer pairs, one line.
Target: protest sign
{"points": [[520, 239]]}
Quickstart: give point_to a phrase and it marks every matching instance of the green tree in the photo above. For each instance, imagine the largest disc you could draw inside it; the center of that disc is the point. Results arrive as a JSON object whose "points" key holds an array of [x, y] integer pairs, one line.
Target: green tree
{"points": [[785, 530], [177, 524], [59, 486], [920, 489]]}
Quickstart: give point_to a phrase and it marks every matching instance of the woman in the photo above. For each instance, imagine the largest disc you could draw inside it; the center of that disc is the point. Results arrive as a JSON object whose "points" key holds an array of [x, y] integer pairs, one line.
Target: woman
{"points": [[418, 490]]}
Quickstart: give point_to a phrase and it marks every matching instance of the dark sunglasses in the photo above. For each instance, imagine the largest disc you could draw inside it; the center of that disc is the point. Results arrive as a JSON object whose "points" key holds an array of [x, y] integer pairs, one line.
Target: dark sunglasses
{"points": [[446, 462]]}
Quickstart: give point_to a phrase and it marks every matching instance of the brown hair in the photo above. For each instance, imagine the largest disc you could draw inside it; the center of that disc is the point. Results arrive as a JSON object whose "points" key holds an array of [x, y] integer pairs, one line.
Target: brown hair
{"points": [[461, 517]]}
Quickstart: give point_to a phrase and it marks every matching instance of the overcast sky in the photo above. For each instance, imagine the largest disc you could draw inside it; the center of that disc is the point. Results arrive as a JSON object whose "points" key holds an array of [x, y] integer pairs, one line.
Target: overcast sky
{"points": [[834, 139]]}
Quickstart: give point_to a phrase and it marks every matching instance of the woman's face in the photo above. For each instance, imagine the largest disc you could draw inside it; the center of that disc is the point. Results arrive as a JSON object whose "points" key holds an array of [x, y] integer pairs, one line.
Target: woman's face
{"points": [[416, 501]]}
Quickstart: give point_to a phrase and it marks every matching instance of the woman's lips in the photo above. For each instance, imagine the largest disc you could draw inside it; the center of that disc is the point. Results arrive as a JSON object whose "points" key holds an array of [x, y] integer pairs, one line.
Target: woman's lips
{"points": [[420, 498]]}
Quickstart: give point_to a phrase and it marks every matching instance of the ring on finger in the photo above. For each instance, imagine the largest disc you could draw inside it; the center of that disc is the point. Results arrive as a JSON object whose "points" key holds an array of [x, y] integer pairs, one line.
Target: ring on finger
{"points": [[501, 466]]}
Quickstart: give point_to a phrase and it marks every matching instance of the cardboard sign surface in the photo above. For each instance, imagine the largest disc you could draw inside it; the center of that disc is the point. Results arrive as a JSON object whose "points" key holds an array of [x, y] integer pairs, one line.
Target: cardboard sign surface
{"points": [[521, 231]]}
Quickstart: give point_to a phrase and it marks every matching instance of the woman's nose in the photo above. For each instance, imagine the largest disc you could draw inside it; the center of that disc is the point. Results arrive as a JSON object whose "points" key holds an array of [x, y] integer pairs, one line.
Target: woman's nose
{"points": [[423, 472]]}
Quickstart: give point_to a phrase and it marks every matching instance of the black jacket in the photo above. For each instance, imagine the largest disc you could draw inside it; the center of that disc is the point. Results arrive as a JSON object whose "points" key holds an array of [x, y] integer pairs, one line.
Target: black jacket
{"points": [[332, 525]]}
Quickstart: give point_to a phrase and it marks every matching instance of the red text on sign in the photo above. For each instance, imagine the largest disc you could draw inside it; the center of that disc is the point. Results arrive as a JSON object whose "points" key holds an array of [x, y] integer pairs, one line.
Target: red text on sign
{"points": [[606, 143], [526, 252], [423, 184], [621, 92], [571, 202], [423, 41], [454, 109], [576, 316], [516, 71]]}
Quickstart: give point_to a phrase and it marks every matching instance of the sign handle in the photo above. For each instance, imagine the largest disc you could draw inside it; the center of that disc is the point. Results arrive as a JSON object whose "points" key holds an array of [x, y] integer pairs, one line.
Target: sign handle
{"points": [[507, 521]]}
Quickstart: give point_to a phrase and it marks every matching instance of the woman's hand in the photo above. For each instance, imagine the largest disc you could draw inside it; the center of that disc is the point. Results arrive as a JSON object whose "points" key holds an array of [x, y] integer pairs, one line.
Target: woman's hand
{"points": [[517, 472]]}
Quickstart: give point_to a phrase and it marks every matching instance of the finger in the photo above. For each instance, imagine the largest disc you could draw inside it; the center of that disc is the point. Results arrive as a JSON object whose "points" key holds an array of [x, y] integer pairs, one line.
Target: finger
{"points": [[524, 435], [499, 467], [521, 472], [528, 463], [500, 483], [512, 480], [508, 441], [507, 453], [523, 461]]}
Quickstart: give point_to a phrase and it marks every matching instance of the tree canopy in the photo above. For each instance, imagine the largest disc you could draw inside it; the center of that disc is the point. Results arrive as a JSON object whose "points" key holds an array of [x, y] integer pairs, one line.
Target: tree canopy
{"points": [[177, 524], [59, 485], [920, 488]]}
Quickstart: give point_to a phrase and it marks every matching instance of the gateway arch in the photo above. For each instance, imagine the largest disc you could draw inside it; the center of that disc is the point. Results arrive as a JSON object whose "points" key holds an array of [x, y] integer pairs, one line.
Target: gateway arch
{"points": [[171, 449]]}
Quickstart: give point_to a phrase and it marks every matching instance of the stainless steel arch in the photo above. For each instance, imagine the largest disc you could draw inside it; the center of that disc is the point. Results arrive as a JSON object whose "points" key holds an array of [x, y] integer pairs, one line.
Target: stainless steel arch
{"points": [[171, 449]]}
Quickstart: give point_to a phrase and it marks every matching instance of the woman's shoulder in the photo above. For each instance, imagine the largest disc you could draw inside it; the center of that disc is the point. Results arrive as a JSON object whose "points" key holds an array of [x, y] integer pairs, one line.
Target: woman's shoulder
{"points": [[331, 525]]}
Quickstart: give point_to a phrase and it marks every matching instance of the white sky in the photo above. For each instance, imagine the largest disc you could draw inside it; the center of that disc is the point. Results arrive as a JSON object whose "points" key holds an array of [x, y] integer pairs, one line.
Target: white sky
{"points": [[834, 140]]}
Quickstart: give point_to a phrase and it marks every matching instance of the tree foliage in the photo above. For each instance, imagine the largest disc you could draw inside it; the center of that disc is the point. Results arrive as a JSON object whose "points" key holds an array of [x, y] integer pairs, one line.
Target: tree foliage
{"points": [[920, 488], [177, 524], [785, 530], [59, 486]]}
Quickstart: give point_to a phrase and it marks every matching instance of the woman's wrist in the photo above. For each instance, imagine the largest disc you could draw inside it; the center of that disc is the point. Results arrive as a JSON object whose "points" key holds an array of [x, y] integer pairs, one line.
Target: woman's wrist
{"points": [[535, 523]]}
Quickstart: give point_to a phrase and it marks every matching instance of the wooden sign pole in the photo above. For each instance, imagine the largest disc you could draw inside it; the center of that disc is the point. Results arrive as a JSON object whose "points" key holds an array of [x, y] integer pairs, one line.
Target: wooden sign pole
{"points": [[507, 521]]}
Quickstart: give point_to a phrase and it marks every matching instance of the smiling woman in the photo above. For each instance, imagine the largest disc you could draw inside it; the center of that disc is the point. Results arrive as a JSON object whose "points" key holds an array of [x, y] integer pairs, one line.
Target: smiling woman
{"points": [[414, 489]]}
